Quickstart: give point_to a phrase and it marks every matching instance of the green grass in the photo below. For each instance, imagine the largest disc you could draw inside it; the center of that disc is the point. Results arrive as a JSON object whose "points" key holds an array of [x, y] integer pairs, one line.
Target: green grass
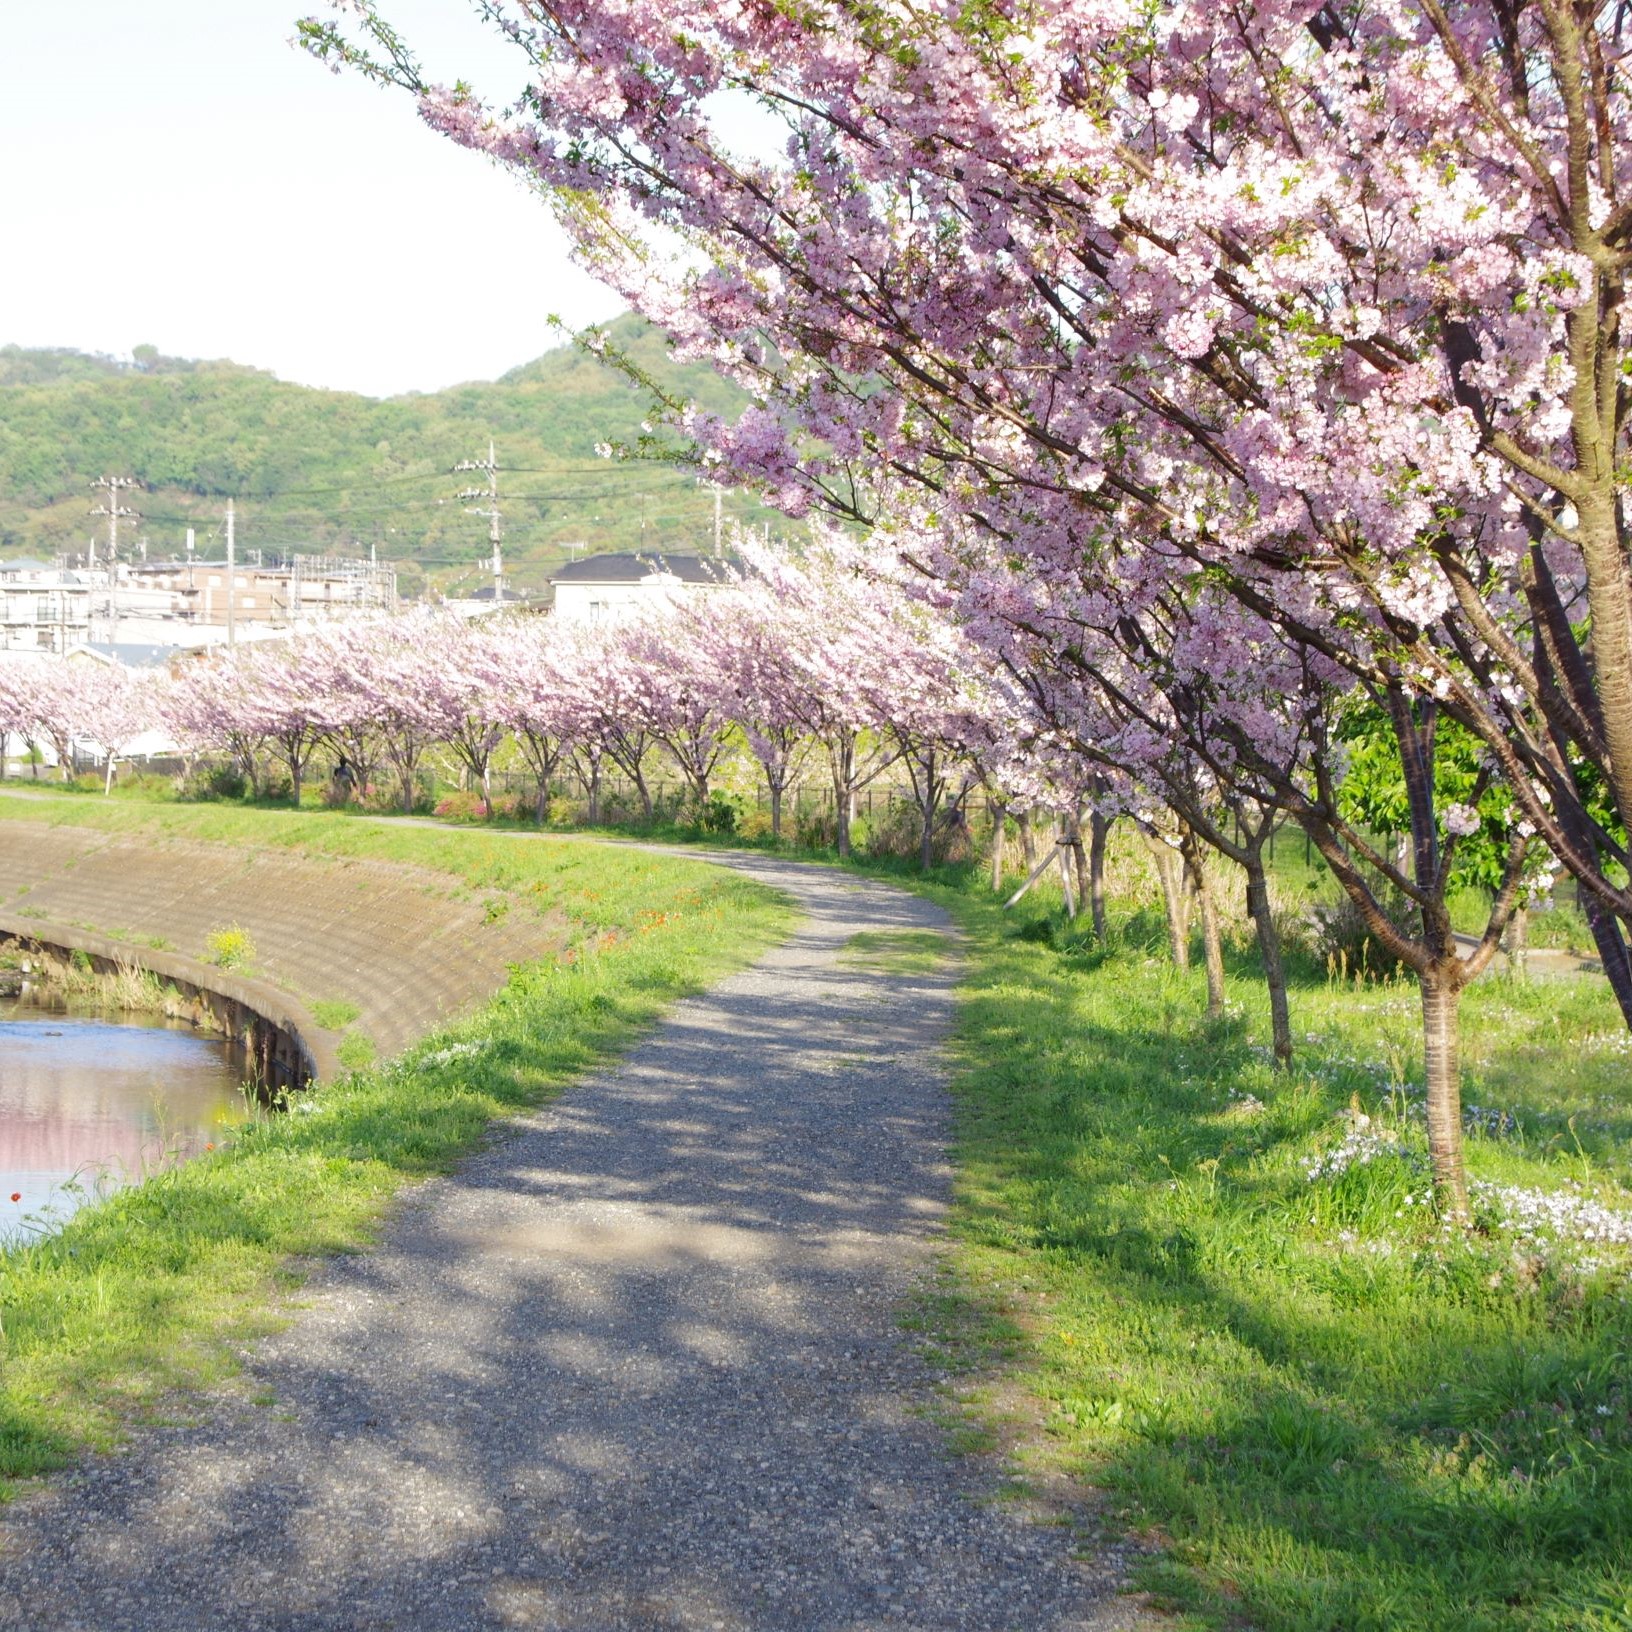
{"points": [[1328, 1416], [356, 1050], [896, 951], [148, 1292], [332, 1013]]}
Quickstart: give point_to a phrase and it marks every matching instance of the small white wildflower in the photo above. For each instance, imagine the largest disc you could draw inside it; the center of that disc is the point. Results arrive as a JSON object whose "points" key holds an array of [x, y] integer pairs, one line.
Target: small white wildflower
{"points": [[454, 1051]]}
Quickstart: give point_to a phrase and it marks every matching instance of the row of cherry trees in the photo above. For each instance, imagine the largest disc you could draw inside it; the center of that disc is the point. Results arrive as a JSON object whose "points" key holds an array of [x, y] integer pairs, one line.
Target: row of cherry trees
{"points": [[810, 664], [1217, 365], [807, 666], [64, 707]]}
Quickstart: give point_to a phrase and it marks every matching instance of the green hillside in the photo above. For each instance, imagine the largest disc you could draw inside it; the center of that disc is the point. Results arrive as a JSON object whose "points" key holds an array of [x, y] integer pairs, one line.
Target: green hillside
{"points": [[329, 470]]}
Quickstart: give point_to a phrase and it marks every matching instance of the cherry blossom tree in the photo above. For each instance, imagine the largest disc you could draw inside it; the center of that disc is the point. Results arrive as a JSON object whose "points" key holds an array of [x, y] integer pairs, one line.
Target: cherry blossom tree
{"points": [[685, 699], [286, 703], [537, 703], [117, 706], [744, 637], [465, 664], [404, 693], [22, 683]]}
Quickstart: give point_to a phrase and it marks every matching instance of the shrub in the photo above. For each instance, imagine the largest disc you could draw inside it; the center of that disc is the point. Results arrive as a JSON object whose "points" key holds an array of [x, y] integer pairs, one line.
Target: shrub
{"points": [[212, 782], [717, 816], [897, 830], [463, 807], [754, 824], [1340, 937], [816, 829], [564, 812]]}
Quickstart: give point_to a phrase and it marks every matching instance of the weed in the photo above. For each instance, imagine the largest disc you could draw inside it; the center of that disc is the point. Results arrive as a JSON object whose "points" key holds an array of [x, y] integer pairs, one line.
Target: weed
{"points": [[333, 1014], [229, 947], [356, 1050]]}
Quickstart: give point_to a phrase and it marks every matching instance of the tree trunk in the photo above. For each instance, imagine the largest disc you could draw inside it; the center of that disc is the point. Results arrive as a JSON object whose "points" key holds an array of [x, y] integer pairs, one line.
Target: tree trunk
{"points": [[1442, 1074], [645, 795], [408, 790], [1079, 865], [841, 821], [1099, 828], [1169, 875], [776, 812], [1608, 933], [107, 783], [296, 766], [1028, 839], [1518, 943], [1211, 942], [1269, 952], [594, 792], [541, 805], [999, 844]]}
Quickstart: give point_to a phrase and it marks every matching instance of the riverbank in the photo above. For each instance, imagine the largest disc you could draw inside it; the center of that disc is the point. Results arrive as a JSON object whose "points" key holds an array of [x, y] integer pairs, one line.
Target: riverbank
{"points": [[74, 984], [149, 1292]]}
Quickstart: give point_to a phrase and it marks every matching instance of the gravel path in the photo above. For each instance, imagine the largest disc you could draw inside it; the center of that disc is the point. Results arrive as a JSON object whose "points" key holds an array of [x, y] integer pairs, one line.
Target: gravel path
{"points": [[635, 1366]]}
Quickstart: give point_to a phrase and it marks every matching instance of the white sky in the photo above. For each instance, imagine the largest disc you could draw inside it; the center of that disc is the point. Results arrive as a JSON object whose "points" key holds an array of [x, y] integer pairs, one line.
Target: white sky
{"points": [[173, 172]]}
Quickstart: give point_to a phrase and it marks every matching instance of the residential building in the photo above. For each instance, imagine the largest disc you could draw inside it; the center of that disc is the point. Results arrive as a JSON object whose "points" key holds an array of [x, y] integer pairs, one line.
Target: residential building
{"points": [[43, 608], [603, 588]]}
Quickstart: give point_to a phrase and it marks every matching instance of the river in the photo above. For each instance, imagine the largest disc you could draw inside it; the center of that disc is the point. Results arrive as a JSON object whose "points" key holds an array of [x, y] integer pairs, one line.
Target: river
{"points": [[89, 1102]]}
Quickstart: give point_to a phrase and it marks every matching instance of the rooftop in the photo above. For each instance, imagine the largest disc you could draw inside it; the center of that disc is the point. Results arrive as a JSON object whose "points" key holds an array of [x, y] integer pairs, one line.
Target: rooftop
{"points": [[629, 567]]}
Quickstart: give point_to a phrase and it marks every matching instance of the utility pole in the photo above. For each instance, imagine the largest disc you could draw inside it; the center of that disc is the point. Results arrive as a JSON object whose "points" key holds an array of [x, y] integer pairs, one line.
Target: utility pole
{"points": [[113, 486], [232, 586], [495, 531]]}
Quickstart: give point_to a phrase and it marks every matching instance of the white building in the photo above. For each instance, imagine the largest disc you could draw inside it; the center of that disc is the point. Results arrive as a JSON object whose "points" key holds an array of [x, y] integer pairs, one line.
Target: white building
{"points": [[43, 608], [606, 587]]}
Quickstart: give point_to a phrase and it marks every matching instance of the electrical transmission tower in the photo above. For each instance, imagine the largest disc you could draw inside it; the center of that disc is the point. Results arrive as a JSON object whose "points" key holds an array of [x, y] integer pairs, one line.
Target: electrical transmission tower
{"points": [[495, 525], [116, 512]]}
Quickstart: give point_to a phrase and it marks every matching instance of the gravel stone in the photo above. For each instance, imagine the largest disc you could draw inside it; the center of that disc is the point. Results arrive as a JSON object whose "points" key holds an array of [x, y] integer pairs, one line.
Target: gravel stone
{"points": [[634, 1366]]}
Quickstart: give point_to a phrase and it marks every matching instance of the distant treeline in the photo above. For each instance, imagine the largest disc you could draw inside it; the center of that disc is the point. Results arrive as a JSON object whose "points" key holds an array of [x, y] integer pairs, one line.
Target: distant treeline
{"points": [[334, 471]]}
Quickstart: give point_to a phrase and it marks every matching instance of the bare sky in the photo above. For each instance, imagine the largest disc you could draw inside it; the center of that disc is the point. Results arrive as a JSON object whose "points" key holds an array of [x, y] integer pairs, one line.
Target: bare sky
{"points": [[175, 173]]}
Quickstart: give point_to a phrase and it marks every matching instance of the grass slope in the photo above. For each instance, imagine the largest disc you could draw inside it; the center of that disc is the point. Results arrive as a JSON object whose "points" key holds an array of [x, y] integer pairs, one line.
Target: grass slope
{"points": [[145, 1293]]}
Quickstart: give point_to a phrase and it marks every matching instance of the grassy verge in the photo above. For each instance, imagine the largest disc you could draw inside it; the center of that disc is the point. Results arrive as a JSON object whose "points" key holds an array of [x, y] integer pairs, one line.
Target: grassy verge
{"points": [[146, 1293], [1326, 1413]]}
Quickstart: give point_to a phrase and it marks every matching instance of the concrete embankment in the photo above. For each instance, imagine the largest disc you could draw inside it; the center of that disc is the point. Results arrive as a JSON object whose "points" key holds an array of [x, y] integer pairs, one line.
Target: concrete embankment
{"points": [[405, 948]]}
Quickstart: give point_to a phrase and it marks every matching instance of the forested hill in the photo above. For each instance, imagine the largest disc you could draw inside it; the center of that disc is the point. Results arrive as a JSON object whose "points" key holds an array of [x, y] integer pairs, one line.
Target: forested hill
{"points": [[330, 470]]}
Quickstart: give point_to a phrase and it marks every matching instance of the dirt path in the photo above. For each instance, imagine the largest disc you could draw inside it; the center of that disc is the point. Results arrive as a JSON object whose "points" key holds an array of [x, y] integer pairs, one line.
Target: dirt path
{"points": [[636, 1366]]}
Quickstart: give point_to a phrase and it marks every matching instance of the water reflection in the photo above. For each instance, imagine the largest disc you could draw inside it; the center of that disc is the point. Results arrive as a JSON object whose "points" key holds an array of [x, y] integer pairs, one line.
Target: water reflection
{"points": [[88, 1103]]}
